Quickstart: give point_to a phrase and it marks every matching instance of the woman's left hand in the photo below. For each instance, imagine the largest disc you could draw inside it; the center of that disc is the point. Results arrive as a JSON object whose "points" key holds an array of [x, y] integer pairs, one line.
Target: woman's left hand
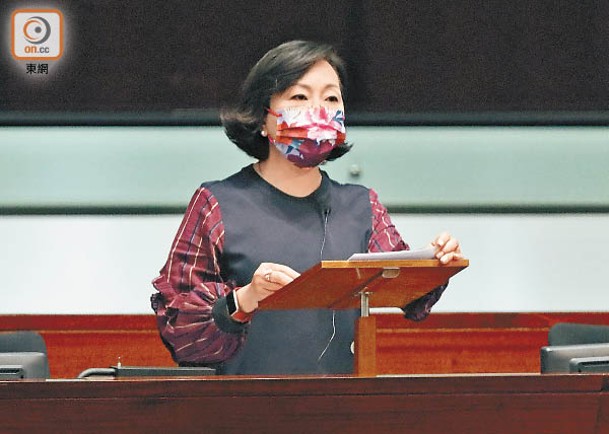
{"points": [[448, 248]]}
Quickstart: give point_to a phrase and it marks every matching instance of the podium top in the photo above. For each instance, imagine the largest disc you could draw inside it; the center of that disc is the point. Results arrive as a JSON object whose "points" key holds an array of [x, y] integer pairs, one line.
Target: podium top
{"points": [[338, 284]]}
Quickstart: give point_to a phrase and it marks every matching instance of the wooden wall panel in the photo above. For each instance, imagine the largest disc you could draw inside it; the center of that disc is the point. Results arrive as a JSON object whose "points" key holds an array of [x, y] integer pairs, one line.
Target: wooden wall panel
{"points": [[444, 343], [78, 342], [469, 342]]}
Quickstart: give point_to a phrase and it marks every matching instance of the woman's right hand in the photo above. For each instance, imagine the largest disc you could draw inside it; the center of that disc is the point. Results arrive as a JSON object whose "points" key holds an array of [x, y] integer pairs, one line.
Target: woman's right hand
{"points": [[267, 279]]}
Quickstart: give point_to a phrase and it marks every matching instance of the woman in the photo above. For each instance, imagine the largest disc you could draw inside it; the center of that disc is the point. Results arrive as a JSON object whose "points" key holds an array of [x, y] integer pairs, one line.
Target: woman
{"points": [[245, 237]]}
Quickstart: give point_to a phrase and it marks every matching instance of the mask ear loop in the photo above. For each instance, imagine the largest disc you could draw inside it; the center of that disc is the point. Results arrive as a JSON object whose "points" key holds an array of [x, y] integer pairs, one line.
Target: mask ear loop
{"points": [[274, 113], [271, 111], [263, 133]]}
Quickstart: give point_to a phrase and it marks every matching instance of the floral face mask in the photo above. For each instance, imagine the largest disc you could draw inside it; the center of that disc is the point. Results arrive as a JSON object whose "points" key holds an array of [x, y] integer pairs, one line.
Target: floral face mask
{"points": [[306, 136]]}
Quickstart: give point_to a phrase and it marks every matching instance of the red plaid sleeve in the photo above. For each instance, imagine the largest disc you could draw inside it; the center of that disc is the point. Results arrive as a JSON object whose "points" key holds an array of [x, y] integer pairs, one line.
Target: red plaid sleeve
{"points": [[385, 238], [190, 283]]}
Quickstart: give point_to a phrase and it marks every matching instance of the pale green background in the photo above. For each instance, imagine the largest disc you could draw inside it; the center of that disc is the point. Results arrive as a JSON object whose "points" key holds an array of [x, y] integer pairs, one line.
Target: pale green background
{"points": [[408, 166]]}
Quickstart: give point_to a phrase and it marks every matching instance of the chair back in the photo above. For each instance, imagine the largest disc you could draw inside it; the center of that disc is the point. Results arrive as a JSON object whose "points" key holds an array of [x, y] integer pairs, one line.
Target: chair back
{"points": [[578, 334], [26, 349]]}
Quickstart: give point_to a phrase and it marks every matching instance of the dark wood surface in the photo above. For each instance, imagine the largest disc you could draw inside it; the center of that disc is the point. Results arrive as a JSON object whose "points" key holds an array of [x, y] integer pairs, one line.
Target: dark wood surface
{"points": [[532, 404], [603, 419], [442, 344]]}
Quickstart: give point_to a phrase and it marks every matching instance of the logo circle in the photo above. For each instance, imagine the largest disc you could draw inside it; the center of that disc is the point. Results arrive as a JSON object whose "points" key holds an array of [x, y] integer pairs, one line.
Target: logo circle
{"points": [[36, 30]]}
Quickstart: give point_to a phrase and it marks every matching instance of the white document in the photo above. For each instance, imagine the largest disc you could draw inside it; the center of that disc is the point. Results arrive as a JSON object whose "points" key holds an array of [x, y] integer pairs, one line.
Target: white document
{"points": [[422, 253]]}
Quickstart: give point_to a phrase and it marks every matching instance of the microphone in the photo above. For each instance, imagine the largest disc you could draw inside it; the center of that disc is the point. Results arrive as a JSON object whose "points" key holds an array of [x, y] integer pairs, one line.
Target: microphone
{"points": [[322, 197]]}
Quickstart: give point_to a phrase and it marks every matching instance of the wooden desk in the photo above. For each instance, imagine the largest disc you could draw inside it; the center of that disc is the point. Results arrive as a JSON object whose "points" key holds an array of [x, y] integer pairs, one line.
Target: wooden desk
{"points": [[468, 404]]}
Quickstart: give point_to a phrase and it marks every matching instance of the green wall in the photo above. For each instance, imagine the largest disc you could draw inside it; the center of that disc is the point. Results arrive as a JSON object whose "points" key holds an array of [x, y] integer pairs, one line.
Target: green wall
{"points": [[412, 168]]}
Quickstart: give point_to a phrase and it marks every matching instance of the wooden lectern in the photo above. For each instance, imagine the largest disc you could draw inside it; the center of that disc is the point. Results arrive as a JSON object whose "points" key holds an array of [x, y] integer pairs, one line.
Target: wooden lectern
{"points": [[364, 284]]}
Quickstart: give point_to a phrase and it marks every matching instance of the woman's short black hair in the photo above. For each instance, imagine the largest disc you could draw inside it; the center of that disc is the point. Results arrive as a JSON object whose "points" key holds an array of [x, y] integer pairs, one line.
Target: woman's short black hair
{"points": [[276, 71]]}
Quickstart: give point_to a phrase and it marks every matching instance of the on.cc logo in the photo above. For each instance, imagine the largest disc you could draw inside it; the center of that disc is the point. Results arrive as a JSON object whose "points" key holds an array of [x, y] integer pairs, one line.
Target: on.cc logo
{"points": [[37, 34]]}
